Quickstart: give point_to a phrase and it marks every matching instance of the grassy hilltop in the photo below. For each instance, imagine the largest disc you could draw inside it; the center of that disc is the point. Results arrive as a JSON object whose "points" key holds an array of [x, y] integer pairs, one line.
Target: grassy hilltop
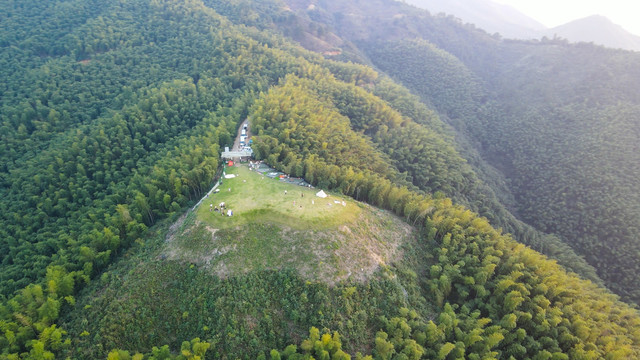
{"points": [[278, 225], [256, 198]]}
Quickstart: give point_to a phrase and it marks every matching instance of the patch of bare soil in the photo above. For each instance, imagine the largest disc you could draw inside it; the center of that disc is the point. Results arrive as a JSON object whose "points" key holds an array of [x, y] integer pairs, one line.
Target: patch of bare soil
{"points": [[372, 241], [353, 251], [175, 249], [169, 239], [174, 228]]}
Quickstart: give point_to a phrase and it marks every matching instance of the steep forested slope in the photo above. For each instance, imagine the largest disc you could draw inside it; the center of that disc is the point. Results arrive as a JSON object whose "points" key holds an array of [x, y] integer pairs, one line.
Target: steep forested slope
{"points": [[572, 153], [557, 120], [457, 236], [455, 92], [112, 119], [567, 149]]}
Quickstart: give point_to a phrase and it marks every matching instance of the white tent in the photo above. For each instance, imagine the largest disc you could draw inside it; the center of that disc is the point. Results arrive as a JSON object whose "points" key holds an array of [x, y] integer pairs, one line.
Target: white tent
{"points": [[321, 194]]}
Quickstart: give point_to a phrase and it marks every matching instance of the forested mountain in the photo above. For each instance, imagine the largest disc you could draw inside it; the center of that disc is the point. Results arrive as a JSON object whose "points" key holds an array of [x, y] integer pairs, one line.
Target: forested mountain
{"points": [[112, 117], [488, 15], [556, 120], [599, 30], [498, 18]]}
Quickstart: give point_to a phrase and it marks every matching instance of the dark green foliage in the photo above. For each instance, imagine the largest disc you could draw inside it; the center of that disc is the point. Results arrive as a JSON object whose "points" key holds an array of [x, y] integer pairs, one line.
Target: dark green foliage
{"points": [[478, 277], [558, 121], [145, 301], [116, 125], [112, 117], [66, 191], [439, 77], [576, 175], [569, 151], [261, 14]]}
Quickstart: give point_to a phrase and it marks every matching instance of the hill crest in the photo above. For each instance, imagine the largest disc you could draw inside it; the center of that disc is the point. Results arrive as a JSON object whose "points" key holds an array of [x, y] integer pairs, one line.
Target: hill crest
{"points": [[599, 30], [488, 15], [276, 225]]}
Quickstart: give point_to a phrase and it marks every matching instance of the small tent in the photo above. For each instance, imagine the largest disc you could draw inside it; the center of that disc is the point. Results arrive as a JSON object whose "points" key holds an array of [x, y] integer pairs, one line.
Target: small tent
{"points": [[321, 194]]}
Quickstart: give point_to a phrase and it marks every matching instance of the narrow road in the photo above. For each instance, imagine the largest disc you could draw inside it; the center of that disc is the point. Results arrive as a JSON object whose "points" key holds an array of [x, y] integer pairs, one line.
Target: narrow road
{"points": [[236, 142]]}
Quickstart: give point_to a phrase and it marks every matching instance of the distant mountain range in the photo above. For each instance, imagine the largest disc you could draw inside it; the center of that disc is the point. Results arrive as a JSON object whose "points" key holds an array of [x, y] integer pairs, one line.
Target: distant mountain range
{"points": [[599, 30], [487, 15], [510, 23]]}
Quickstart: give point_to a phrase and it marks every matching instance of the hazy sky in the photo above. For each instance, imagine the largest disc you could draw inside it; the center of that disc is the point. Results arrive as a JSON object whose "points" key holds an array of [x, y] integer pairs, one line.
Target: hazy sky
{"points": [[557, 12]]}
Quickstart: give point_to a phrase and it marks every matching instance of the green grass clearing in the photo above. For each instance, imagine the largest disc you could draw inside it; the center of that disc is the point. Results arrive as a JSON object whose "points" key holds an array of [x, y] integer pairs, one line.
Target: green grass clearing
{"points": [[256, 198]]}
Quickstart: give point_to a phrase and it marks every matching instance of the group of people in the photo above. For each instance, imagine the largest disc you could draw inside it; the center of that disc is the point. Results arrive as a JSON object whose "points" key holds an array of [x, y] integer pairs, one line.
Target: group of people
{"points": [[221, 209]]}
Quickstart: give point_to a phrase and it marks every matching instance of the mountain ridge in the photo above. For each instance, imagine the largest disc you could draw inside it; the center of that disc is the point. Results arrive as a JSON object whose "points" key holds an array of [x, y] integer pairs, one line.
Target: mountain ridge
{"points": [[510, 23], [529, 64], [486, 14], [599, 30], [112, 133]]}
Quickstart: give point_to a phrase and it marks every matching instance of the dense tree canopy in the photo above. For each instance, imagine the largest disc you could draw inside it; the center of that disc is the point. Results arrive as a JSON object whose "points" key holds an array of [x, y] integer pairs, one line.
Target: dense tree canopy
{"points": [[113, 113], [557, 122], [477, 276]]}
